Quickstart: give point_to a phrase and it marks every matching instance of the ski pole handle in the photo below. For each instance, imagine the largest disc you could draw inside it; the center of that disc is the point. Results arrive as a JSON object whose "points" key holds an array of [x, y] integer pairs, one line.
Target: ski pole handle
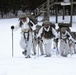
{"points": [[12, 27]]}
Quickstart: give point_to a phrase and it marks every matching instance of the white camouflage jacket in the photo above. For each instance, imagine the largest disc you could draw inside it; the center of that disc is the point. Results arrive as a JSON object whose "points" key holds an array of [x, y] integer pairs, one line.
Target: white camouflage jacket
{"points": [[25, 25]]}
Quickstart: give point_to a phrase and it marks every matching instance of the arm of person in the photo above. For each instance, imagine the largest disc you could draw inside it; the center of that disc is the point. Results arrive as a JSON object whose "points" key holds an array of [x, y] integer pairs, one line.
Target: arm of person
{"points": [[54, 32], [70, 37], [40, 32], [15, 27]]}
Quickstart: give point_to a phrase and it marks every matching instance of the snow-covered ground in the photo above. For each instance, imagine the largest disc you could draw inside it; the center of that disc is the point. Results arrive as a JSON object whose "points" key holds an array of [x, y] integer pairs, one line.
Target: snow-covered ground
{"points": [[18, 65]]}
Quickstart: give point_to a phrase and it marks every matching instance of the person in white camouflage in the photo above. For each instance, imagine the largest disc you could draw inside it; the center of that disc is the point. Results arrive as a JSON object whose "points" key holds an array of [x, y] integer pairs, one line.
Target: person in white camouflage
{"points": [[64, 36], [38, 42], [27, 26], [47, 33]]}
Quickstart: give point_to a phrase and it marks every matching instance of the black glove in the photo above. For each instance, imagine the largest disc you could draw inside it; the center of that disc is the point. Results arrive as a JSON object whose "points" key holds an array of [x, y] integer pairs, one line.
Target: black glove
{"points": [[30, 24], [39, 38], [12, 27], [56, 40], [67, 36]]}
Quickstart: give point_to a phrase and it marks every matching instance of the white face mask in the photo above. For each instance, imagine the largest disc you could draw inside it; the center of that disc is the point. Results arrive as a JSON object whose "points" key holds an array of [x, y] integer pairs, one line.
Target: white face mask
{"points": [[47, 29]]}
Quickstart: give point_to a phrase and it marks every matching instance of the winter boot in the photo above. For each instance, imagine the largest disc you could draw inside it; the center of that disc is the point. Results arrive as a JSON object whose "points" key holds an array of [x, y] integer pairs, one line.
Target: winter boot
{"points": [[28, 56], [48, 56], [24, 52]]}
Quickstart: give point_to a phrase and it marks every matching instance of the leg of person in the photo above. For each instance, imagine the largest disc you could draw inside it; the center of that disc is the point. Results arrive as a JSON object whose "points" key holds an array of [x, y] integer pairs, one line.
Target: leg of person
{"points": [[71, 49], [29, 44], [28, 51], [45, 46], [48, 50], [34, 46], [75, 49], [23, 46], [54, 44], [41, 48], [66, 50], [61, 47]]}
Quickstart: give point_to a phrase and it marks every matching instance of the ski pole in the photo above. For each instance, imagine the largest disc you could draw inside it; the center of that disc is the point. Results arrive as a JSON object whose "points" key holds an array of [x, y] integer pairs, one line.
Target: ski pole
{"points": [[38, 47], [12, 27]]}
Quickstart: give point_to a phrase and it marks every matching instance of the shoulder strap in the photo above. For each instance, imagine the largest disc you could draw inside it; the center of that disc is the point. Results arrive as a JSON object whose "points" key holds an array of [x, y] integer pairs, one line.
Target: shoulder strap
{"points": [[30, 23], [21, 23]]}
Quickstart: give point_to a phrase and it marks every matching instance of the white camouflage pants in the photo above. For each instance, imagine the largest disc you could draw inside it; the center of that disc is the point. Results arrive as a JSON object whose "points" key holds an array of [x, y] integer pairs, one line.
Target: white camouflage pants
{"points": [[40, 45], [26, 45], [47, 46], [64, 48]]}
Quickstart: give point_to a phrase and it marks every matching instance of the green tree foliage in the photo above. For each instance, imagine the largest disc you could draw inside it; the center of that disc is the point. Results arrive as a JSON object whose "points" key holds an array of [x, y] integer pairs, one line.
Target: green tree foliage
{"points": [[7, 5]]}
